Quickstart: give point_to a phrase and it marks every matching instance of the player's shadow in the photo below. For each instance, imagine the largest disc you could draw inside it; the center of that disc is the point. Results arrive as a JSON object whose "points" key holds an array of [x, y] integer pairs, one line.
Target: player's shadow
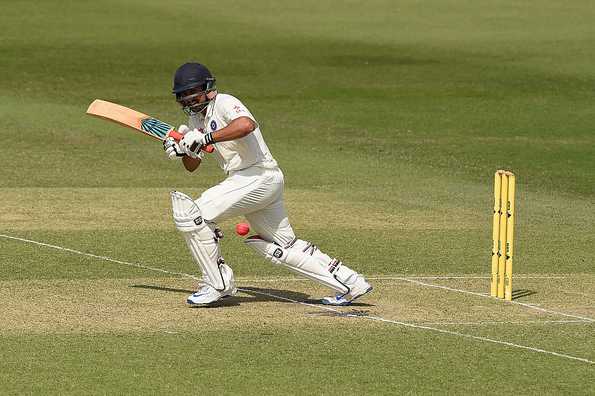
{"points": [[520, 293], [255, 294], [291, 296]]}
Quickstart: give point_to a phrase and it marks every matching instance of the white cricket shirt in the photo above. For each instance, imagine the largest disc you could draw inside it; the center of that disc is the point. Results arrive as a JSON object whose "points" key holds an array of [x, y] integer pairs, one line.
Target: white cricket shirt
{"points": [[233, 155]]}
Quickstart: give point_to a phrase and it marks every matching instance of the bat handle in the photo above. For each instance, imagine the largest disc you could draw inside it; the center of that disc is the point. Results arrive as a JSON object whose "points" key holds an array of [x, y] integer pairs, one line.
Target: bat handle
{"points": [[178, 136]]}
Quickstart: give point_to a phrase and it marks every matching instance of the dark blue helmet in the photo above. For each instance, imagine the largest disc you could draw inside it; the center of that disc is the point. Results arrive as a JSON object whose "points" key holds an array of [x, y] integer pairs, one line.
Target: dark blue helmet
{"points": [[198, 79]]}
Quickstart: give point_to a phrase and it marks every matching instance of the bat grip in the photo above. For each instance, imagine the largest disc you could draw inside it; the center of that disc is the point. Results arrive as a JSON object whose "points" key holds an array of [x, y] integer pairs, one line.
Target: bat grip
{"points": [[178, 136]]}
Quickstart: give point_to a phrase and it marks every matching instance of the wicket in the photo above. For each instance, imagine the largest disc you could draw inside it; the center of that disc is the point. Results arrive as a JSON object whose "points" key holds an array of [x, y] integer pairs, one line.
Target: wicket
{"points": [[502, 235]]}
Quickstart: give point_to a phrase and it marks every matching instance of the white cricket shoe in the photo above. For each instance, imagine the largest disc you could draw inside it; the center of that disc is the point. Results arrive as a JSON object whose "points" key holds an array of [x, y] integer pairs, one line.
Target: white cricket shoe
{"points": [[208, 294], [357, 288]]}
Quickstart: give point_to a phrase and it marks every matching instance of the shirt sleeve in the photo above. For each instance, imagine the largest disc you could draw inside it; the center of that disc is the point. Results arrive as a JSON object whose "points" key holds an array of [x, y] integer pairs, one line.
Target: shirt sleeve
{"points": [[233, 108]]}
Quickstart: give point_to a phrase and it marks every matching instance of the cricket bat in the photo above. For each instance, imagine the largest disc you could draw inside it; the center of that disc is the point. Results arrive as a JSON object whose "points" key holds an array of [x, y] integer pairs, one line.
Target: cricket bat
{"points": [[136, 120]]}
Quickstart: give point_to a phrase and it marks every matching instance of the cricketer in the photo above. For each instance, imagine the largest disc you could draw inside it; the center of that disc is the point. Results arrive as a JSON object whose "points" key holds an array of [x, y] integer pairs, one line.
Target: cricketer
{"points": [[253, 189]]}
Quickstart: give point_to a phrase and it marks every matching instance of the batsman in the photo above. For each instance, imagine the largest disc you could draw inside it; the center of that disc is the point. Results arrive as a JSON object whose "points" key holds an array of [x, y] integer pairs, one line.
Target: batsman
{"points": [[253, 188]]}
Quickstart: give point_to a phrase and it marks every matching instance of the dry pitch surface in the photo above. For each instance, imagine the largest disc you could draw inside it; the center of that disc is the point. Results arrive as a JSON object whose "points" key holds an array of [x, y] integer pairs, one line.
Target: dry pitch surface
{"points": [[455, 306]]}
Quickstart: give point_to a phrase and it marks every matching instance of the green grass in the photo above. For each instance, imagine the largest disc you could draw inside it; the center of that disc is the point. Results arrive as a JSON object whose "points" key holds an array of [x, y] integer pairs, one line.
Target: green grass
{"points": [[276, 360], [388, 120]]}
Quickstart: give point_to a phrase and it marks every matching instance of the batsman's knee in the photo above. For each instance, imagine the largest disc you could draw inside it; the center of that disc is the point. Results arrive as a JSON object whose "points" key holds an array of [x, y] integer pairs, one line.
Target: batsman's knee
{"points": [[270, 250]]}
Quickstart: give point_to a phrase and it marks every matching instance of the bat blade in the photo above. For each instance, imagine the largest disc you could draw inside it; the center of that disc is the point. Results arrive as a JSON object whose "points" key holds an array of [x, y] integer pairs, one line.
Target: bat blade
{"points": [[136, 120], [130, 118]]}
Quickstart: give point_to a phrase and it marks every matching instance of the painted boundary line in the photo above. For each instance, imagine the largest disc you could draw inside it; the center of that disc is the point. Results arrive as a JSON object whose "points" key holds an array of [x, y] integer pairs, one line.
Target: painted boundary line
{"points": [[330, 309]]}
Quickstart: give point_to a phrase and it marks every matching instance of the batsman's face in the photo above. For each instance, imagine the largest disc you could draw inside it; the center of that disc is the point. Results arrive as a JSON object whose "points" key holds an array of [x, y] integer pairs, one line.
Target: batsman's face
{"points": [[193, 101]]}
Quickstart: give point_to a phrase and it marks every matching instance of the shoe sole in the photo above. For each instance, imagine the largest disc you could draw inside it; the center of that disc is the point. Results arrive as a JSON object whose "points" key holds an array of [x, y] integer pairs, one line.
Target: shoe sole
{"points": [[193, 304]]}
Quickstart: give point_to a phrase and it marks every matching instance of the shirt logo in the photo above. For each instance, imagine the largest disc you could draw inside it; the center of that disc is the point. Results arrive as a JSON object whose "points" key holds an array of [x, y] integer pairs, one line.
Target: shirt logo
{"points": [[238, 109], [213, 125]]}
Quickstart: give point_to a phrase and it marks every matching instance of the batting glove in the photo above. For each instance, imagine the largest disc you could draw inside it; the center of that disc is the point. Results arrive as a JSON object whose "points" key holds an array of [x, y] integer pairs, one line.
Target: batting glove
{"points": [[193, 142], [183, 129], [172, 148]]}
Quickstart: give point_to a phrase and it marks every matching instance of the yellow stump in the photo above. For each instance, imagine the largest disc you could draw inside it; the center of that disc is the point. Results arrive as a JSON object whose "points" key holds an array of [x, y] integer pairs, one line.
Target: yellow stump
{"points": [[509, 237], [495, 234], [502, 235], [502, 232]]}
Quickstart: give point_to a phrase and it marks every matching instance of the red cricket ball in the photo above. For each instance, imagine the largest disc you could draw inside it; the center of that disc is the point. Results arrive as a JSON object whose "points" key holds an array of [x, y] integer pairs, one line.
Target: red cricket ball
{"points": [[242, 229]]}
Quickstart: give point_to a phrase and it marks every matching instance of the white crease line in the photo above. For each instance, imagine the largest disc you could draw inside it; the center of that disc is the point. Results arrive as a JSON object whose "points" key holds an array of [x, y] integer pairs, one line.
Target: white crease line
{"points": [[415, 280], [418, 326], [399, 277], [575, 293], [485, 295], [438, 277], [456, 333], [141, 266], [375, 318], [391, 278], [495, 322]]}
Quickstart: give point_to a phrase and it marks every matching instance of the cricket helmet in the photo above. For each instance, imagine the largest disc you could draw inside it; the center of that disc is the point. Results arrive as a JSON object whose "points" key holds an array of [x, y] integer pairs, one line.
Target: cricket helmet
{"points": [[195, 77]]}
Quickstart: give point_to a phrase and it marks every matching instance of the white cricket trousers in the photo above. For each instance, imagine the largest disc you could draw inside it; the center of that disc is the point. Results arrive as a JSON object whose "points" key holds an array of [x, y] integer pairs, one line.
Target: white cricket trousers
{"points": [[255, 193]]}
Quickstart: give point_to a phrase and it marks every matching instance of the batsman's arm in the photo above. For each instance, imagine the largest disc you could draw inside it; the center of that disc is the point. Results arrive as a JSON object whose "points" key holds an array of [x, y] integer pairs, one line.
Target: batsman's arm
{"points": [[236, 129]]}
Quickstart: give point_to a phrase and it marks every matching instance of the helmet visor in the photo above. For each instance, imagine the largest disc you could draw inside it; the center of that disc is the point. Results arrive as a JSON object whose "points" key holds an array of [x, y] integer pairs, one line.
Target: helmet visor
{"points": [[193, 101]]}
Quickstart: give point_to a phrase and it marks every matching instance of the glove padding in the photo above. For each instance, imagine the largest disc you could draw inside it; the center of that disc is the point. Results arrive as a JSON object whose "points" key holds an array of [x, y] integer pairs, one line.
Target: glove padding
{"points": [[192, 143], [172, 148]]}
